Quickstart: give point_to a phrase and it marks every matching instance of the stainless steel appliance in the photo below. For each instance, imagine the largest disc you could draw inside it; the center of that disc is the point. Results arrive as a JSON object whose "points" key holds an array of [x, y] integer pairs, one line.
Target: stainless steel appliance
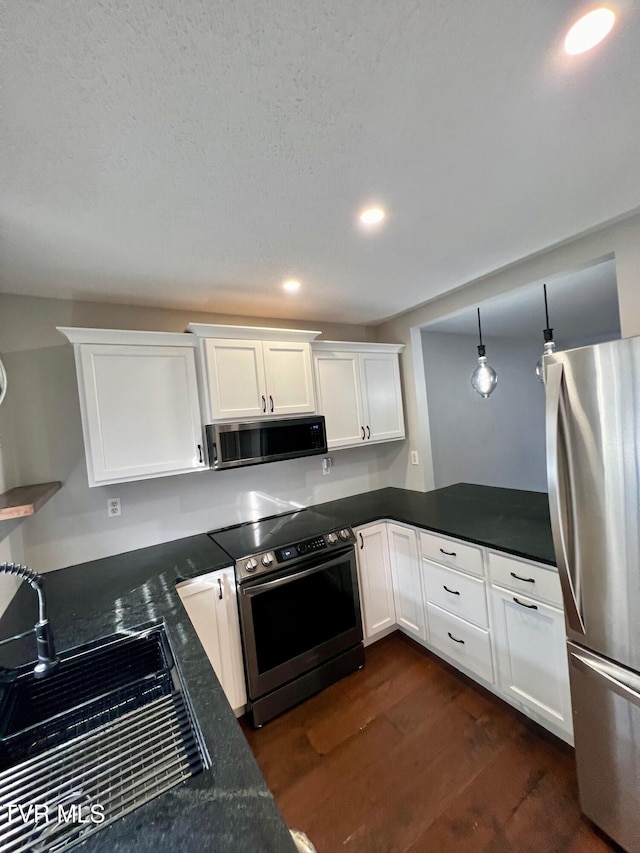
{"points": [[254, 442], [593, 447], [299, 607]]}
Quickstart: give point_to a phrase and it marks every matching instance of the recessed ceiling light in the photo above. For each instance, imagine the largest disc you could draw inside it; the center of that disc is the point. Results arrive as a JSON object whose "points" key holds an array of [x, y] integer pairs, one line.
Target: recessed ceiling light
{"points": [[589, 30], [291, 285], [372, 216]]}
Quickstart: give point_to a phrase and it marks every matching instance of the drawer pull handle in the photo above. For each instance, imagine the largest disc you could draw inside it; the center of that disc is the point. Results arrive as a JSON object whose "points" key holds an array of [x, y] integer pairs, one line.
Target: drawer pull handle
{"points": [[271, 401], [361, 541], [454, 639], [199, 453], [526, 580], [219, 589], [368, 432], [264, 403], [452, 591], [448, 553], [362, 428], [522, 604]]}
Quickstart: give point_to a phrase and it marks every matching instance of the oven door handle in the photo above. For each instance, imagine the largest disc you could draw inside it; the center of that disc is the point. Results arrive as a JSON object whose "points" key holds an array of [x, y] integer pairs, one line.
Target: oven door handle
{"points": [[320, 566]]}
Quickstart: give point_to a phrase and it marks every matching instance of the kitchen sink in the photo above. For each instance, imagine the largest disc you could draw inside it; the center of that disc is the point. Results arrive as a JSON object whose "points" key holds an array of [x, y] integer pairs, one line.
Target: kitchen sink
{"points": [[109, 729]]}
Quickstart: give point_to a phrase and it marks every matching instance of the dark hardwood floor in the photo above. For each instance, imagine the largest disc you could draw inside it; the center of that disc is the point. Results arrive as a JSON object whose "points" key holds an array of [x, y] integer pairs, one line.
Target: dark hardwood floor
{"points": [[406, 756]]}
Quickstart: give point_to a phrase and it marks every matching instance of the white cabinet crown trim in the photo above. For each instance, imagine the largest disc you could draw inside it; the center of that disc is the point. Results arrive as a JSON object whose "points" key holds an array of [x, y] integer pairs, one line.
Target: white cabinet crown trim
{"points": [[126, 336], [356, 346], [252, 333]]}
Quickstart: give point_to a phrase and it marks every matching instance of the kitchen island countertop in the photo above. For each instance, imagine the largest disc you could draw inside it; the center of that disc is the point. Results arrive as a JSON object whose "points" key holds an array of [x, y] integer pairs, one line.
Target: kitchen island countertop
{"points": [[229, 807]]}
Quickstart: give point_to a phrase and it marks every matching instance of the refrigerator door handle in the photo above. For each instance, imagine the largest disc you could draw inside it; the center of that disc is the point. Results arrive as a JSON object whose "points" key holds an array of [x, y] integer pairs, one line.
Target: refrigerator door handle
{"points": [[625, 684], [560, 494]]}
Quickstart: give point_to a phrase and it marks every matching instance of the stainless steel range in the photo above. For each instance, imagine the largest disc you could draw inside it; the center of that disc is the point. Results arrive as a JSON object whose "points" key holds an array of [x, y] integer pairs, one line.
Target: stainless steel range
{"points": [[299, 607]]}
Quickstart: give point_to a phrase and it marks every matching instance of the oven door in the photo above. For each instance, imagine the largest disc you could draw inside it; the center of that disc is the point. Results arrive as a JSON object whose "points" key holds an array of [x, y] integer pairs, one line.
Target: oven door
{"points": [[297, 619]]}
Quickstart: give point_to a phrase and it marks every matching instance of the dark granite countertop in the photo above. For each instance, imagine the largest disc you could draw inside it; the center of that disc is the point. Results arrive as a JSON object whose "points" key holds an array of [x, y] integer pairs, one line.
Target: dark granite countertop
{"points": [[508, 520], [226, 809], [229, 809]]}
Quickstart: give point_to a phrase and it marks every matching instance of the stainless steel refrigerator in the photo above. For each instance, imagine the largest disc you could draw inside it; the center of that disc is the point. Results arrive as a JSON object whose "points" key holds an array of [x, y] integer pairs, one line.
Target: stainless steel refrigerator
{"points": [[593, 461]]}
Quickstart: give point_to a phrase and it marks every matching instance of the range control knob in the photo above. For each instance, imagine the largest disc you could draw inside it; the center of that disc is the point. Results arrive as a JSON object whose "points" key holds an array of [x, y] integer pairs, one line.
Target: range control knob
{"points": [[267, 559], [251, 565], [332, 539], [302, 548], [345, 534]]}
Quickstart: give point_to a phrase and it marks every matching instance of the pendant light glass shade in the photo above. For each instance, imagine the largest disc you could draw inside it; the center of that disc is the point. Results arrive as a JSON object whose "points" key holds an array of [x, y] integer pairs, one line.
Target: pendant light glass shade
{"points": [[484, 378], [549, 344]]}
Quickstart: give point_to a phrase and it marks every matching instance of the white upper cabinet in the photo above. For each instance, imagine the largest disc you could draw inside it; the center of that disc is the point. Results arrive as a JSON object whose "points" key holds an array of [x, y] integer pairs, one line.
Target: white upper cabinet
{"points": [[339, 398], [359, 394], [381, 396], [255, 373], [139, 404]]}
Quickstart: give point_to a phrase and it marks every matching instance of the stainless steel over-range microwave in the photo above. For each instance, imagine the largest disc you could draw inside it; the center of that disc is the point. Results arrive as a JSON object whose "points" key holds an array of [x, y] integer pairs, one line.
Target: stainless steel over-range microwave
{"points": [[253, 442]]}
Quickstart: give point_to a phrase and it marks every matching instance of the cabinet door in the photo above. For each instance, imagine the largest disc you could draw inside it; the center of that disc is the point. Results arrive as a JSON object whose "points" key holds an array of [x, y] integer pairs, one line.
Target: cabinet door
{"points": [[406, 571], [210, 602], [289, 378], [529, 639], [381, 396], [374, 580], [338, 389], [235, 379], [140, 411]]}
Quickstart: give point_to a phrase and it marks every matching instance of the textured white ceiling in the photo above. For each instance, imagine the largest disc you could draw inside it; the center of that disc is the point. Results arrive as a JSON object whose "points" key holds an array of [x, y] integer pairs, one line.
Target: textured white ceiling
{"points": [[196, 153]]}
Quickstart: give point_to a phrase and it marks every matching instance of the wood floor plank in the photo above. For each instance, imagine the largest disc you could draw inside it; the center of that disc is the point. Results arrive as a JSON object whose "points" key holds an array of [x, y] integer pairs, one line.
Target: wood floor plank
{"points": [[407, 756]]}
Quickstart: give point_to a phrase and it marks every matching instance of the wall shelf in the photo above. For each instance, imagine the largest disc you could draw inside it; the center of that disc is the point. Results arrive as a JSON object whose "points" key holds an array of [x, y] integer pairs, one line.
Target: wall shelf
{"points": [[24, 501]]}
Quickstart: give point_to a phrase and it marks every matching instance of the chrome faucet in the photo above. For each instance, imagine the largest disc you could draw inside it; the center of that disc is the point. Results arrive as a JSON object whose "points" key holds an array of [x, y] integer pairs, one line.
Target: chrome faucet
{"points": [[47, 658]]}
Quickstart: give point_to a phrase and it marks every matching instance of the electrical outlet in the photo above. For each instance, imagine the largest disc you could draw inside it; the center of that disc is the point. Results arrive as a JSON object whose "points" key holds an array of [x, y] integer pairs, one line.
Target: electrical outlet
{"points": [[414, 457], [113, 507], [326, 465]]}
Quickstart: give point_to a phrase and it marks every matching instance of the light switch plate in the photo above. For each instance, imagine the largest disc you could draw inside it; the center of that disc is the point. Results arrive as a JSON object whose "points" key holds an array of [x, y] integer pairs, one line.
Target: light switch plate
{"points": [[414, 457]]}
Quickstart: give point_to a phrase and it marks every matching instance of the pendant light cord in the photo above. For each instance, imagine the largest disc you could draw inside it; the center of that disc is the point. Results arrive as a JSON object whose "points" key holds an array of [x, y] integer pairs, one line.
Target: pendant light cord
{"points": [[546, 306], [480, 327]]}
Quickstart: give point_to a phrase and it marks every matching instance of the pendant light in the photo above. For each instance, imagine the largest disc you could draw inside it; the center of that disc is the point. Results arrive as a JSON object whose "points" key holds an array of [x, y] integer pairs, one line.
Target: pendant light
{"points": [[549, 344], [484, 378]]}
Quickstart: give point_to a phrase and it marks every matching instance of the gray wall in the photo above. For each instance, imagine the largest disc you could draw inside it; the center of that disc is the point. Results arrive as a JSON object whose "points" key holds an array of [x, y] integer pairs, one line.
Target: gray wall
{"points": [[498, 441], [41, 440]]}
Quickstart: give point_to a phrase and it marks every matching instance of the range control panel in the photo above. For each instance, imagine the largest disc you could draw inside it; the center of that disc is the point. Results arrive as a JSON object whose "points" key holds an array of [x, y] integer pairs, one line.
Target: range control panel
{"points": [[268, 561]]}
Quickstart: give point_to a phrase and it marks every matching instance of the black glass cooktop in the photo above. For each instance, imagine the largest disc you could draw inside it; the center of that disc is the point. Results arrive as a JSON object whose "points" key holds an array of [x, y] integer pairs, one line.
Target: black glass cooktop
{"points": [[243, 540]]}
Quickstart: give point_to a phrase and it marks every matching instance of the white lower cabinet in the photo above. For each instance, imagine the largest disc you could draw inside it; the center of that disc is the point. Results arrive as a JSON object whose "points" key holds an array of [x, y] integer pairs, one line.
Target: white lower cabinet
{"points": [[467, 644], [375, 581], [529, 638], [211, 604], [407, 580], [499, 618]]}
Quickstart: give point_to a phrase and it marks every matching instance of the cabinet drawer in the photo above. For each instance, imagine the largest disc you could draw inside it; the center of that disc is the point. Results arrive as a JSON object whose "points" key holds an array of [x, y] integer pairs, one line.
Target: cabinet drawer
{"points": [[459, 594], [452, 553], [535, 581], [460, 640]]}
